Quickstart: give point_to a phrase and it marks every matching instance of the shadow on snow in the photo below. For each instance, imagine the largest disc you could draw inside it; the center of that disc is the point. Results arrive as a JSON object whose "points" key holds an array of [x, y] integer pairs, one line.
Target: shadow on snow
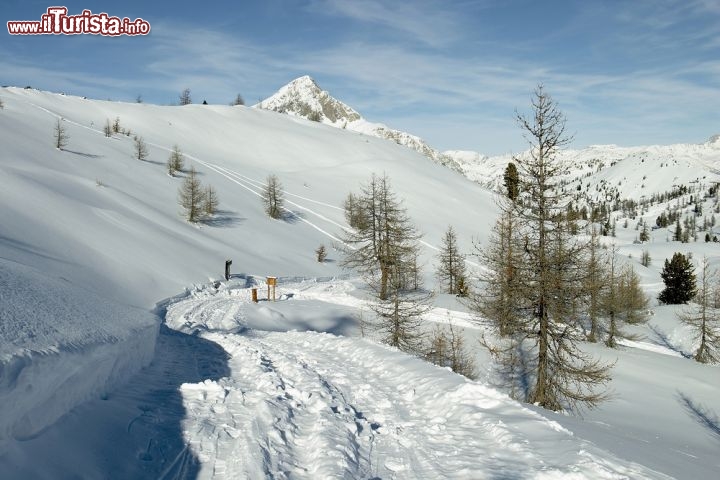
{"points": [[702, 415], [136, 431]]}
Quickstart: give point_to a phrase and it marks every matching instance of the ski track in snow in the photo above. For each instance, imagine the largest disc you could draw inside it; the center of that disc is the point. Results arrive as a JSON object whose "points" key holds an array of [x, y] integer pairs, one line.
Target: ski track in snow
{"points": [[310, 405], [255, 187]]}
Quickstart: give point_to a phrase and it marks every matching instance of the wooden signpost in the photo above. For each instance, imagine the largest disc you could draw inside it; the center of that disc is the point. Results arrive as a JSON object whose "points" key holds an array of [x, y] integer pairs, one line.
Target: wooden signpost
{"points": [[271, 283]]}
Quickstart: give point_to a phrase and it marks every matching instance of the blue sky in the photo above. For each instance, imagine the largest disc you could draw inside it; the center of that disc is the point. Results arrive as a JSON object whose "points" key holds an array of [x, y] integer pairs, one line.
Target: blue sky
{"points": [[629, 72]]}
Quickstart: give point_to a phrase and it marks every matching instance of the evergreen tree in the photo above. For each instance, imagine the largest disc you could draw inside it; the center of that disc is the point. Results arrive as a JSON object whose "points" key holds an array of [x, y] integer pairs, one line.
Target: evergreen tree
{"points": [[679, 278], [238, 100], [191, 197], [548, 271], [645, 234], [451, 270], [704, 317], [511, 182], [272, 197]]}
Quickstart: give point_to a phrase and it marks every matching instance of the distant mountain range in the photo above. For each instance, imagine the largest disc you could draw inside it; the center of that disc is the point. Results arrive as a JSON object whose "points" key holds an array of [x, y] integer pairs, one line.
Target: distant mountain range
{"points": [[630, 172]]}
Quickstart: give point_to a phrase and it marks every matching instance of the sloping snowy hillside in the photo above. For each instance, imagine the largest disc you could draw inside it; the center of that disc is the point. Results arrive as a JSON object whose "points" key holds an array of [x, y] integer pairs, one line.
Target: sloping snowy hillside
{"points": [[94, 253]]}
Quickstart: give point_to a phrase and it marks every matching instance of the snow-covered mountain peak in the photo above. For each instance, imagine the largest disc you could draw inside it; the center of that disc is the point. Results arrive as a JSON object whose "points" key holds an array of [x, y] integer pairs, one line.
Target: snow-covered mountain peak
{"points": [[303, 97]]}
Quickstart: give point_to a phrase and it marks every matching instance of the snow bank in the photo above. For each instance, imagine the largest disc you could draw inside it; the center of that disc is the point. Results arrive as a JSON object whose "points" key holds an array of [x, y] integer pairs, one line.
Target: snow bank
{"points": [[60, 346]]}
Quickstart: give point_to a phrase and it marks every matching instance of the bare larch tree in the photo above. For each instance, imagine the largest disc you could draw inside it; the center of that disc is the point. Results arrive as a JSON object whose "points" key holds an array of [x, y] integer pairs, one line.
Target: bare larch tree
{"points": [[703, 316], [60, 135], [548, 268], [272, 197]]}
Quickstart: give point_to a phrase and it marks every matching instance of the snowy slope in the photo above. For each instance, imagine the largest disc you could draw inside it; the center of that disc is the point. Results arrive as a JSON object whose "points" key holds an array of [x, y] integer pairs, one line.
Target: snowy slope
{"points": [[91, 233], [237, 389], [101, 232]]}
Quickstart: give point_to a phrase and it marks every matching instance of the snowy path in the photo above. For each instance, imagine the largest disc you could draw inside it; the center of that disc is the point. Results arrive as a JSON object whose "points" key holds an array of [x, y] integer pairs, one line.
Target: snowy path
{"points": [[315, 405]]}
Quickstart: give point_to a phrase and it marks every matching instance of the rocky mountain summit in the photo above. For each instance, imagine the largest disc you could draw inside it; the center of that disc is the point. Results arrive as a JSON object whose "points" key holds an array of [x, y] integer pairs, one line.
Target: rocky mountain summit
{"points": [[304, 98]]}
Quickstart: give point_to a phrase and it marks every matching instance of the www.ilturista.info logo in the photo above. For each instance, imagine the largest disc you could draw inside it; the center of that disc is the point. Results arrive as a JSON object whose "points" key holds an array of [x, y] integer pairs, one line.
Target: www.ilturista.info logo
{"points": [[57, 22]]}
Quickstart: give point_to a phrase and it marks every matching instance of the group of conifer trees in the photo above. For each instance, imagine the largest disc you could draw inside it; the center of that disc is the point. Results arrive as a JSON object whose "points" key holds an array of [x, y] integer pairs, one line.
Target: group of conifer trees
{"points": [[545, 289]]}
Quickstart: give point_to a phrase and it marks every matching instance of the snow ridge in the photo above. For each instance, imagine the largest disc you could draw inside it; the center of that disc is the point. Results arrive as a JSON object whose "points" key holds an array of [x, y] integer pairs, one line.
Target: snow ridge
{"points": [[303, 98], [633, 171]]}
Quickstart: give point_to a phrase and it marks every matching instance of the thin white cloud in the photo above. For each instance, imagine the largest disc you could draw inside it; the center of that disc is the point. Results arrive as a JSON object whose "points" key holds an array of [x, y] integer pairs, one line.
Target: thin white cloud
{"points": [[430, 22]]}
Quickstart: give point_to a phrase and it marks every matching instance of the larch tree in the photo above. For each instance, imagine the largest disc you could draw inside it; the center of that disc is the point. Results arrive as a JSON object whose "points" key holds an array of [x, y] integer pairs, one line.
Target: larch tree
{"points": [[272, 197], [501, 256], [384, 242], [703, 316], [141, 150], [60, 135], [191, 197], [400, 313], [185, 97], [210, 201], [623, 302], [548, 268], [176, 161], [383, 249], [321, 254], [451, 269], [447, 349], [595, 284], [355, 214]]}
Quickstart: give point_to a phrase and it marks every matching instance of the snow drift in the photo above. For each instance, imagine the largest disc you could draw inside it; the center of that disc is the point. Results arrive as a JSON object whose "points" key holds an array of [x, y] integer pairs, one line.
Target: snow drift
{"points": [[61, 345]]}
